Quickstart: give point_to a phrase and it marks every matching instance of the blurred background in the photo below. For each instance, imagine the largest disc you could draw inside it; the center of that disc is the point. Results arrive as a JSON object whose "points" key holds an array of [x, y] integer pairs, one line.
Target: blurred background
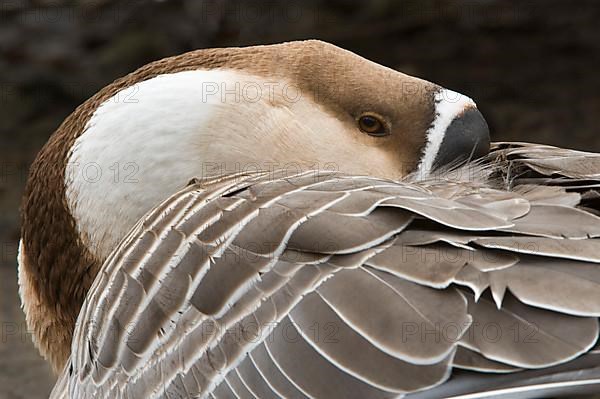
{"points": [[531, 66]]}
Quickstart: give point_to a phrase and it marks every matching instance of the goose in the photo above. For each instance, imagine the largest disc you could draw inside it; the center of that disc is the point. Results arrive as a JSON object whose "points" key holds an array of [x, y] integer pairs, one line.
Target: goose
{"points": [[296, 221]]}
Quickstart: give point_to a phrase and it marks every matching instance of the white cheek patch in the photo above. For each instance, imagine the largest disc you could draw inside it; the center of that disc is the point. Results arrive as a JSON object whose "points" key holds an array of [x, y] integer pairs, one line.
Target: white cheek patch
{"points": [[138, 147], [448, 105]]}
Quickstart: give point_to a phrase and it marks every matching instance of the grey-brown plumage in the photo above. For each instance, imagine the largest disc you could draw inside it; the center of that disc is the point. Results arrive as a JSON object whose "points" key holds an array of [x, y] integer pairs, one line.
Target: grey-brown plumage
{"points": [[323, 285]]}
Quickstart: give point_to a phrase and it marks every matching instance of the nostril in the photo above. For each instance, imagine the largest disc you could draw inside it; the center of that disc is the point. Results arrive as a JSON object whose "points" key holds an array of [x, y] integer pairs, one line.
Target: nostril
{"points": [[467, 137]]}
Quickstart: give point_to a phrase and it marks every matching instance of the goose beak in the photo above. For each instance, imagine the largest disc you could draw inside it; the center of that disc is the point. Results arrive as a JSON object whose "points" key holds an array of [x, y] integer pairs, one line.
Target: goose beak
{"points": [[458, 133], [466, 138]]}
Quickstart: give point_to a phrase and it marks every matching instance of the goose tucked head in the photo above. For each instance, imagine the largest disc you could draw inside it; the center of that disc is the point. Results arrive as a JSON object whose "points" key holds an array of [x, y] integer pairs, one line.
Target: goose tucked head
{"points": [[294, 106]]}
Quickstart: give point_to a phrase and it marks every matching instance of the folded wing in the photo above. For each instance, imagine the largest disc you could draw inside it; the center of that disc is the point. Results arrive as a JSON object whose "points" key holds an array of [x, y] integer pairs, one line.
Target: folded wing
{"points": [[321, 285]]}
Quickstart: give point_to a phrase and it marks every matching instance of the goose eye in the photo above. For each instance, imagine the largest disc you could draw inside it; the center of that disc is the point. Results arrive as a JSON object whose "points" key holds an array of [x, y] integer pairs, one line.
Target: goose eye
{"points": [[372, 125]]}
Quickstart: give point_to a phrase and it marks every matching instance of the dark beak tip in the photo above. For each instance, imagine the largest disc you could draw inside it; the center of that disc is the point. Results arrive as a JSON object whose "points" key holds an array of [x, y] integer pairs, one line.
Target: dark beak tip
{"points": [[466, 138]]}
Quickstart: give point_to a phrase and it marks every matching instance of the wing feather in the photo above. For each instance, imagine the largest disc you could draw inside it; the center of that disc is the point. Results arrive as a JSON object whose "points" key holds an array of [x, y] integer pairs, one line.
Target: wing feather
{"points": [[467, 359], [550, 285], [527, 337], [238, 386], [324, 330], [353, 293], [224, 391], [583, 250], [279, 382], [316, 376], [254, 381]]}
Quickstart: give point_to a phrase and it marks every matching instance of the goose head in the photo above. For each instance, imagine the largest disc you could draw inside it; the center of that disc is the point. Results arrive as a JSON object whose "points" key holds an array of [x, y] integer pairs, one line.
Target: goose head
{"points": [[300, 106]]}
